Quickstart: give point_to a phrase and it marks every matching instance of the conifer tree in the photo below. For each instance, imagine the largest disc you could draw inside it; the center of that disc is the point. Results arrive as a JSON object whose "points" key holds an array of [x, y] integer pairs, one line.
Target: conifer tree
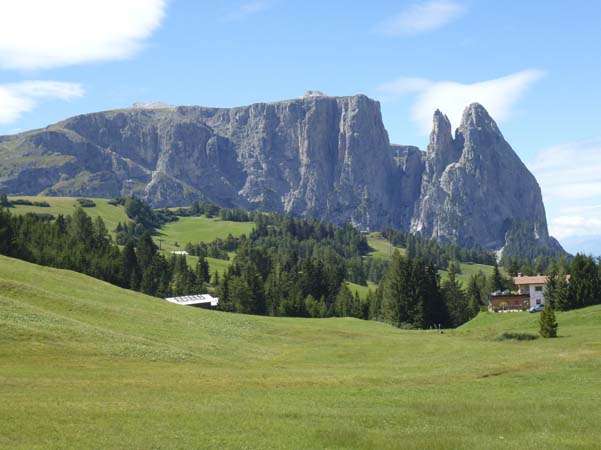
{"points": [[129, 263], [7, 236], [344, 301], [496, 282], [202, 270], [4, 201], [547, 322], [455, 300], [356, 307]]}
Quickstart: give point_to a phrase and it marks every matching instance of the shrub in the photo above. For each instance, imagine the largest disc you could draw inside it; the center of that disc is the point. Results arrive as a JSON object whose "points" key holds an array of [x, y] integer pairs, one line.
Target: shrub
{"points": [[20, 201], [548, 323], [119, 201], [516, 337], [86, 203], [41, 204]]}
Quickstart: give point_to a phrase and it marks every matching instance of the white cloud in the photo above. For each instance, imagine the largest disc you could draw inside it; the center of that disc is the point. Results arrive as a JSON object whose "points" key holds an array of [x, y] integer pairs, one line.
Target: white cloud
{"points": [[19, 98], [578, 224], [421, 17], [246, 9], [498, 96], [45, 34], [570, 178], [570, 171]]}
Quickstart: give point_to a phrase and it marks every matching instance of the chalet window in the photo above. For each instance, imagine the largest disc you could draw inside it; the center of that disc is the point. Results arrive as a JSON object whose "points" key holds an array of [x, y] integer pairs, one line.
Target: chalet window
{"points": [[538, 288], [538, 302]]}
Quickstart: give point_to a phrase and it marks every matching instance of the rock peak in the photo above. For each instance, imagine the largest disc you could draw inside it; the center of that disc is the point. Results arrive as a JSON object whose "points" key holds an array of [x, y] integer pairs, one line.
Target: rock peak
{"points": [[476, 116], [441, 131]]}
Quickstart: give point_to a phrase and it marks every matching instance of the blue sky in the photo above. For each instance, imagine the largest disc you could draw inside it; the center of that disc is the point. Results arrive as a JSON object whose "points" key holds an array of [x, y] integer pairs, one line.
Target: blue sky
{"points": [[535, 65]]}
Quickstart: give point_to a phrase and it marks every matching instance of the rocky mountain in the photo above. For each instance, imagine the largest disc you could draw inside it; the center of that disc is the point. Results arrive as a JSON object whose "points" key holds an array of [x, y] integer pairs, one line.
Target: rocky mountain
{"points": [[475, 189], [317, 156]]}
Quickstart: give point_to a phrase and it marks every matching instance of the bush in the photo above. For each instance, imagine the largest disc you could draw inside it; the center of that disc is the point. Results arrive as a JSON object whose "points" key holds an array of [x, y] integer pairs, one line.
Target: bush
{"points": [[547, 322], [41, 204], [517, 337], [20, 201], [86, 203], [117, 201]]}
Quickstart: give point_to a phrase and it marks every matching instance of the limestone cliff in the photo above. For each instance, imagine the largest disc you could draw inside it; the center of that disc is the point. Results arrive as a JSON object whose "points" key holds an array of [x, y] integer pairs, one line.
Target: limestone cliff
{"points": [[316, 156]]}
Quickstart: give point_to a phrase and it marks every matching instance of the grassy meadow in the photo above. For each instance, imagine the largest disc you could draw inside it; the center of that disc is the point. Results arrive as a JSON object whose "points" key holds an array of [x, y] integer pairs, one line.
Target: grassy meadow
{"points": [[186, 229], [84, 364], [467, 270], [197, 229], [111, 215], [382, 248]]}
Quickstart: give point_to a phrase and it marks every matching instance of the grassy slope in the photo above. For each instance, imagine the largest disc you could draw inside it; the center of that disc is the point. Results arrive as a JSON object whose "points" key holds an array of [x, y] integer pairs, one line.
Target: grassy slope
{"points": [[467, 270], [382, 248], [202, 229], [187, 229], [87, 365], [362, 290], [197, 229], [111, 215]]}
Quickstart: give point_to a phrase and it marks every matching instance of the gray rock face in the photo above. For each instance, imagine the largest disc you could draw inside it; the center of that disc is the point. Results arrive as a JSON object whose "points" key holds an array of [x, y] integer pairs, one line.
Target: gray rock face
{"points": [[475, 186], [317, 156]]}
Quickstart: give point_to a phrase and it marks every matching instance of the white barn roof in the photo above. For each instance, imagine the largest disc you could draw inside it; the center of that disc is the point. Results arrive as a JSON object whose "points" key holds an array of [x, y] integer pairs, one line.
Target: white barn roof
{"points": [[194, 300]]}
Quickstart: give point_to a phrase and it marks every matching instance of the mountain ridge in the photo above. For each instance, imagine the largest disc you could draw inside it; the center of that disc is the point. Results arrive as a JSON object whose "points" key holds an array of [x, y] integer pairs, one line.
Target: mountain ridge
{"points": [[314, 156]]}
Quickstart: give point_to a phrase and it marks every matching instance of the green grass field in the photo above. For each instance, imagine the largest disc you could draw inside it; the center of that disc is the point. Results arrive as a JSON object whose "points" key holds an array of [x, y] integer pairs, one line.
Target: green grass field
{"points": [[84, 364], [362, 290], [200, 229], [219, 265], [467, 270], [382, 248], [111, 215], [186, 229]]}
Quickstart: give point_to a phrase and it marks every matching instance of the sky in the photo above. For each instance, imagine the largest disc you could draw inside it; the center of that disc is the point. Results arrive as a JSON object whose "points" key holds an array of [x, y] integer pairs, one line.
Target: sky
{"points": [[534, 65]]}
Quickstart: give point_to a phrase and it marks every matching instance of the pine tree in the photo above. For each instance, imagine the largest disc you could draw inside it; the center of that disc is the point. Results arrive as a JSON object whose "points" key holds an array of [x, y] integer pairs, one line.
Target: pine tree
{"points": [[344, 301], [476, 287], [455, 300], [146, 251], [129, 264], [202, 270], [7, 235], [548, 323], [4, 202], [496, 282], [356, 307], [392, 290]]}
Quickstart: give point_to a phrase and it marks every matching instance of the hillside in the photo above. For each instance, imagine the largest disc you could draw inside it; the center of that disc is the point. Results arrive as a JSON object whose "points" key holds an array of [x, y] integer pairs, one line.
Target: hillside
{"points": [[89, 365], [184, 230], [175, 235], [111, 215]]}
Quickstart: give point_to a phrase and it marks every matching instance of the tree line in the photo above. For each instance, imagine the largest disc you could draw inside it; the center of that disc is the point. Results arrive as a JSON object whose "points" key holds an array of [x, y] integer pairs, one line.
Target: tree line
{"points": [[434, 252], [287, 266], [78, 243]]}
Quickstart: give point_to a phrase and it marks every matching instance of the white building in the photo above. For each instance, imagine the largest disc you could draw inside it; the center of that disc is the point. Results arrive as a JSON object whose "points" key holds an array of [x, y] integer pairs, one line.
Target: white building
{"points": [[200, 301], [533, 286]]}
